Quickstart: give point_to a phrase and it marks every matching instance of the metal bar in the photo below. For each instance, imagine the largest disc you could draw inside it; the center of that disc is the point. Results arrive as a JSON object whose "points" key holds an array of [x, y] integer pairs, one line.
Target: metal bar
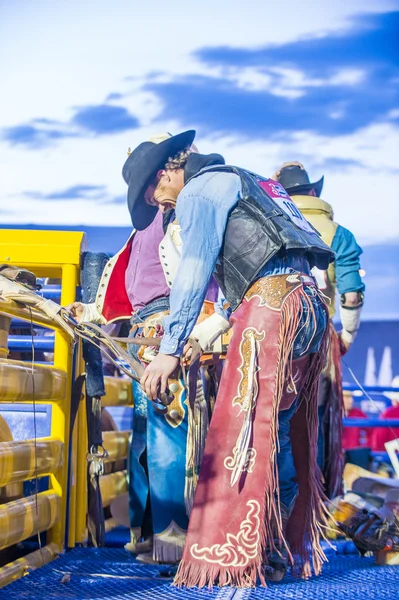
{"points": [[118, 392], [21, 519], [370, 388], [72, 492], [22, 566], [116, 443], [32, 249], [20, 461], [23, 343], [12, 491], [61, 412], [18, 385], [112, 486], [20, 324], [52, 292], [371, 423], [81, 475]]}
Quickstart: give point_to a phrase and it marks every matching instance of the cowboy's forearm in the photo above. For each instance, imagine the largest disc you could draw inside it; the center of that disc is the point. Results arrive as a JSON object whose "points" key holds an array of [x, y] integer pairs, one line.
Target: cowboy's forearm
{"points": [[350, 313], [186, 300], [202, 226]]}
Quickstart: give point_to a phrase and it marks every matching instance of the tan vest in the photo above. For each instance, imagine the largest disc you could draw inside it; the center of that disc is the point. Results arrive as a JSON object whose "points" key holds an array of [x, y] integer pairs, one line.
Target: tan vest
{"points": [[170, 250], [320, 214]]}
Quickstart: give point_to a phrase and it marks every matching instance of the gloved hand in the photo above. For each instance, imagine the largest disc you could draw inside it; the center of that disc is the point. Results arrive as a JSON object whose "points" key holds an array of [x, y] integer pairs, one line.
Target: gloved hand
{"points": [[208, 331], [345, 341], [86, 312]]}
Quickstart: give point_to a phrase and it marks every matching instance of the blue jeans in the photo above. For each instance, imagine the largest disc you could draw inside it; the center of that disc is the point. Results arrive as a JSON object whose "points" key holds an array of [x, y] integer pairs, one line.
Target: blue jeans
{"points": [[141, 315], [157, 457], [308, 341], [137, 459]]}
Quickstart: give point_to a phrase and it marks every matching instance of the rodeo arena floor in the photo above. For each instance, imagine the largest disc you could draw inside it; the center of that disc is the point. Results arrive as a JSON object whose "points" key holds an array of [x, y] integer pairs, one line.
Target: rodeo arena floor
{"points": [[43, 467], [112, 573]]}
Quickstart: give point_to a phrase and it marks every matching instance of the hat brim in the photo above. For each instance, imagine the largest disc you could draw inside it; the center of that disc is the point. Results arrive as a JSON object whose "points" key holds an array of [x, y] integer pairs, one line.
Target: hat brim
{"points": [[296, 190], [145, 169]]}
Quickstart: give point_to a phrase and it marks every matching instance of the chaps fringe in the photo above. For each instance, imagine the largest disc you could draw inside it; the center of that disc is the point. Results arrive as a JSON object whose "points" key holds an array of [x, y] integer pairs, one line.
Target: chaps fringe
{"points": [[168, 545], [334, 467], [198, 425], [310, 517]]}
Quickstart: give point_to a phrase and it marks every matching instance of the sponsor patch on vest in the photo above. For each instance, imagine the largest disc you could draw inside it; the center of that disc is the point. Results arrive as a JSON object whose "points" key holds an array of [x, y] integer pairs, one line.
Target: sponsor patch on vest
{"points": [[277, 193]]}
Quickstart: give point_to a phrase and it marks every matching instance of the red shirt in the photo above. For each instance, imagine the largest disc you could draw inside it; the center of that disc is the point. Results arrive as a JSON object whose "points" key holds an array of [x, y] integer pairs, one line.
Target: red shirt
{"points": [[381, 435], [355, 437]]}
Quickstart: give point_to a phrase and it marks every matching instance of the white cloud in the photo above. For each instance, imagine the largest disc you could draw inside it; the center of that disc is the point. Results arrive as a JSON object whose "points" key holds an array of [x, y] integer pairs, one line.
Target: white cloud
{"points": [[337, 114]]}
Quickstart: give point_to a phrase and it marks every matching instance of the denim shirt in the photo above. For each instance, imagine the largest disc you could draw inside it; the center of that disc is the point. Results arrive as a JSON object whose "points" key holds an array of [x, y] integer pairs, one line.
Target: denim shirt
{"points": [[202, 209]]}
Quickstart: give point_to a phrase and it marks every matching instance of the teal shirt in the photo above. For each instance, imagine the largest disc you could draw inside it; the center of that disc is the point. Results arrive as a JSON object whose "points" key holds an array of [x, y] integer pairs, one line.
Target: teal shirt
{"points": [[347, 261]]}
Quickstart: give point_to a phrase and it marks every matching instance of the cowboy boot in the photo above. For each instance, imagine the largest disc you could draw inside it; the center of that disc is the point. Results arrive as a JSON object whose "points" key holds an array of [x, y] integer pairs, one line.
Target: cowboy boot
{"points": [[137, 543], [278, 560]]}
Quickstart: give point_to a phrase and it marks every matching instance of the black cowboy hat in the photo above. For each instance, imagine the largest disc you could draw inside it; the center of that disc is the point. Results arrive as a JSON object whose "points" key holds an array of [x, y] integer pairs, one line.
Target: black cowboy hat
{"points": [[296, 180], [142, 166]]}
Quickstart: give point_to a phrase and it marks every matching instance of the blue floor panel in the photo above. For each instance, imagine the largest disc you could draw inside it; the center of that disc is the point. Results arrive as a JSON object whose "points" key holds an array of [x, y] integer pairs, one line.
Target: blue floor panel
{"points": [[113, 574]]}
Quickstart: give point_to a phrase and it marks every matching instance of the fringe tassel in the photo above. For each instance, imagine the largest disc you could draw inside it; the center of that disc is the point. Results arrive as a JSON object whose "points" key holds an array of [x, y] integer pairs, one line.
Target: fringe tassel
{"points": [[197, 429], [334, 467], [194, 575], [308, 548], [317, 515], [291, 314], [168, 545]]}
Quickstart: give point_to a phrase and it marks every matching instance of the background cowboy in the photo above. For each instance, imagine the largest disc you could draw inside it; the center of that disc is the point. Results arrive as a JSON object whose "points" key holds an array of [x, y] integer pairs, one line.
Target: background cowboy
{"points": [[342, 275]]}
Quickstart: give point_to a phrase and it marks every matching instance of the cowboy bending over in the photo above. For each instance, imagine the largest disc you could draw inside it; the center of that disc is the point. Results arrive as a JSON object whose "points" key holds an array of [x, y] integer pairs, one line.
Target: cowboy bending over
{"points": [[249, 518]]}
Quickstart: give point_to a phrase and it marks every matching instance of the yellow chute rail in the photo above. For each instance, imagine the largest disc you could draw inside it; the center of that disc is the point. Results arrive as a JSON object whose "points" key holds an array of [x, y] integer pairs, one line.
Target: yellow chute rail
{"points": [[38, 364]]}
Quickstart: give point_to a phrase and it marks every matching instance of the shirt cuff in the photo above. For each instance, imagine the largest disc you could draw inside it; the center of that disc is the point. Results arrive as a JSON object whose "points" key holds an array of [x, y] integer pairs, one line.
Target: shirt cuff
{"points": [[172, 346]]}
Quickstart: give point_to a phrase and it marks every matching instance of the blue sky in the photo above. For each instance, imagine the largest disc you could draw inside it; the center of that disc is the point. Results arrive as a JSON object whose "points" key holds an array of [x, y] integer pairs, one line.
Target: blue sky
{"points": [[349, 81], [261, 83]]}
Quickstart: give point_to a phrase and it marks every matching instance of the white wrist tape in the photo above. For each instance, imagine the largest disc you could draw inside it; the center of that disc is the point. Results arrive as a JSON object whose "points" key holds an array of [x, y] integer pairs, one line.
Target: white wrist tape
{"points": [[209, 330], [350, 319], [91, 314], [50, 308]]}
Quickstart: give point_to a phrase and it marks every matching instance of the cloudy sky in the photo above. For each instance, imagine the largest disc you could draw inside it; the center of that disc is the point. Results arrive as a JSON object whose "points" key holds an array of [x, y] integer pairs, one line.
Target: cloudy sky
{"points": [[262, 82]]}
